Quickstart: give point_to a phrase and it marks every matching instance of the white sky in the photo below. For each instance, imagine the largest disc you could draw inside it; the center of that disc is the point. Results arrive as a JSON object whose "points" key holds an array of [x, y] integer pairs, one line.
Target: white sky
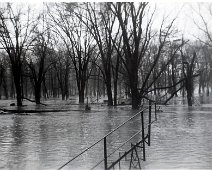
{"points": [[187, 15], [180, 8], [183, 12]]}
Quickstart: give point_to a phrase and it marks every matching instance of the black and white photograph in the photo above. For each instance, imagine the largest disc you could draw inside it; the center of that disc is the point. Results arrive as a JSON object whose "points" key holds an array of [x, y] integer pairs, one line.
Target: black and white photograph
{"points": [[103, 85]]}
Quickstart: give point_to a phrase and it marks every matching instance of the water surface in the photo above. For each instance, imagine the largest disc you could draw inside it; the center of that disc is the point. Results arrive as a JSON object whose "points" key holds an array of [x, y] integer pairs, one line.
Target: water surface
{"points": [[181, 138]]}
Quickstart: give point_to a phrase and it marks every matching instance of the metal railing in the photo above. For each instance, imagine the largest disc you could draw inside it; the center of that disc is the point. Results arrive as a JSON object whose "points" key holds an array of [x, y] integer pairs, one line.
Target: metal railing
{"points": [[133, 146]]}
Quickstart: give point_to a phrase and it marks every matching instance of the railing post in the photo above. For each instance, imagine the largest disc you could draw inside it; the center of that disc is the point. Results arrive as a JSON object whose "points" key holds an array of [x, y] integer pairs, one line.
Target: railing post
{"points": [[149, 125], [143, 137], [105, 153]]}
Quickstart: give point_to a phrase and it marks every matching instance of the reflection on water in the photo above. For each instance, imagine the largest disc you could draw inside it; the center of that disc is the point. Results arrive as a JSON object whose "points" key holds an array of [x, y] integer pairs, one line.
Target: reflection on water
{"points": [[183, 143], [181, 138]]}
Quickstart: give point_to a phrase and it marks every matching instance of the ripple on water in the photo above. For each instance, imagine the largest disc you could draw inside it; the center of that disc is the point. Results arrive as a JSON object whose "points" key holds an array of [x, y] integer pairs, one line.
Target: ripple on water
{"points": [[181, 138]]}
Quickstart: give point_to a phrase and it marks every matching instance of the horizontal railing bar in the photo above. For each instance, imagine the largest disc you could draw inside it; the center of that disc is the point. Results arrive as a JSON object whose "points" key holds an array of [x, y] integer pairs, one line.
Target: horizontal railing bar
{"points": [[130, 139], [124, 123], [80, 153], [97, 164], [103, 138], [120, 158], [117, 149], [126, 153], [124, 144]]}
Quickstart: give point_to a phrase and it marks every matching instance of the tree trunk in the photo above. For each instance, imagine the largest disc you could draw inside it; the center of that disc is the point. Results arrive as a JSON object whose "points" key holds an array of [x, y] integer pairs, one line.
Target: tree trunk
{"points": [[81, 96], [18, 94], [37, 93], [189, 99], [63, 95], [81, 88], [12, 90], [173, 80], [54, 86], [136, 100], [26, 87], [199, 90], [208, 91], [66, 86], [115, 92], [17, 81], [45, 92], [189, 88], [5, 87], [189, 93], [109, 94], [0, 92], [109, 88]]}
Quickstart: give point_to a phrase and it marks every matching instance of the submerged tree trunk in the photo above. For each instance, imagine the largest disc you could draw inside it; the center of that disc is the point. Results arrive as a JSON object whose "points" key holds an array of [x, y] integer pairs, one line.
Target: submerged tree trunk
{"points": [[81, 96], [81, 89], [109, 94], [37, 93], [115, 92], [107, 78], [189, 90], [188, 70], [63, 94], [136, 100], [17, 80]]}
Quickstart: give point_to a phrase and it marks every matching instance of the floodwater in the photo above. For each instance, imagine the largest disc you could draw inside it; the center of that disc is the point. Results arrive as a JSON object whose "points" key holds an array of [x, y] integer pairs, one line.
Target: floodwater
{"points": [[181, 138]]}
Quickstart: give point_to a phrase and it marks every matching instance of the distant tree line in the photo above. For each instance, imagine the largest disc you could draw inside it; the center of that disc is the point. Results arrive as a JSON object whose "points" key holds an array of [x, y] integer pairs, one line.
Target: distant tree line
{"points": [[97, 49]]}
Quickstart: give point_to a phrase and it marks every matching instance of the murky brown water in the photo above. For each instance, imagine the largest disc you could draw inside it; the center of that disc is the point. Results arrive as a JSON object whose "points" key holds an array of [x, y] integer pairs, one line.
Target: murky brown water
{"points": [[181, 138]]}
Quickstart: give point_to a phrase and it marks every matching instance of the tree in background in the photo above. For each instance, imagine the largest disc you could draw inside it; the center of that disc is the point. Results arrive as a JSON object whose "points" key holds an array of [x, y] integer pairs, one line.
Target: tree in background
{"points": [[136, 26], [39, 62], [62, 68], [4, 64], [15, 31], [203, 22], [100, 23], [79, 44], [188, 68]]}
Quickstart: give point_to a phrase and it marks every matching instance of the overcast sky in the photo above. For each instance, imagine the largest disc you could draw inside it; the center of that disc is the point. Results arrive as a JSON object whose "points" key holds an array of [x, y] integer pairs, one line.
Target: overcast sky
{"points": [[184, 10], [186, 13]]}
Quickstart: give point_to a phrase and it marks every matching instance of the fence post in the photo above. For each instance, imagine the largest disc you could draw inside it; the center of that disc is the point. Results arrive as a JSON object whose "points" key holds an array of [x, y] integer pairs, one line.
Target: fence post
{"points": [[105, 153], [150, 120], [143, 138]]}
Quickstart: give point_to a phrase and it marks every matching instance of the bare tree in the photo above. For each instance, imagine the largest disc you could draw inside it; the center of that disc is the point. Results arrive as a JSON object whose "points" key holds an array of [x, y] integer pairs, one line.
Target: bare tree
{"points": [[62, 68], [79, 45], [100, 23], [40, 63], [15, 38], [189, 74], [203, 15], [3, 74], [205, 65], [137, 36]]}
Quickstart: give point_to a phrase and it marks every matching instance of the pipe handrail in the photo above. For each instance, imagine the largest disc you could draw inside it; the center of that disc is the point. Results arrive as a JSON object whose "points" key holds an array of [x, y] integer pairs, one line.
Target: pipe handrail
{"points": [[118, 148], [104, 137]]}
